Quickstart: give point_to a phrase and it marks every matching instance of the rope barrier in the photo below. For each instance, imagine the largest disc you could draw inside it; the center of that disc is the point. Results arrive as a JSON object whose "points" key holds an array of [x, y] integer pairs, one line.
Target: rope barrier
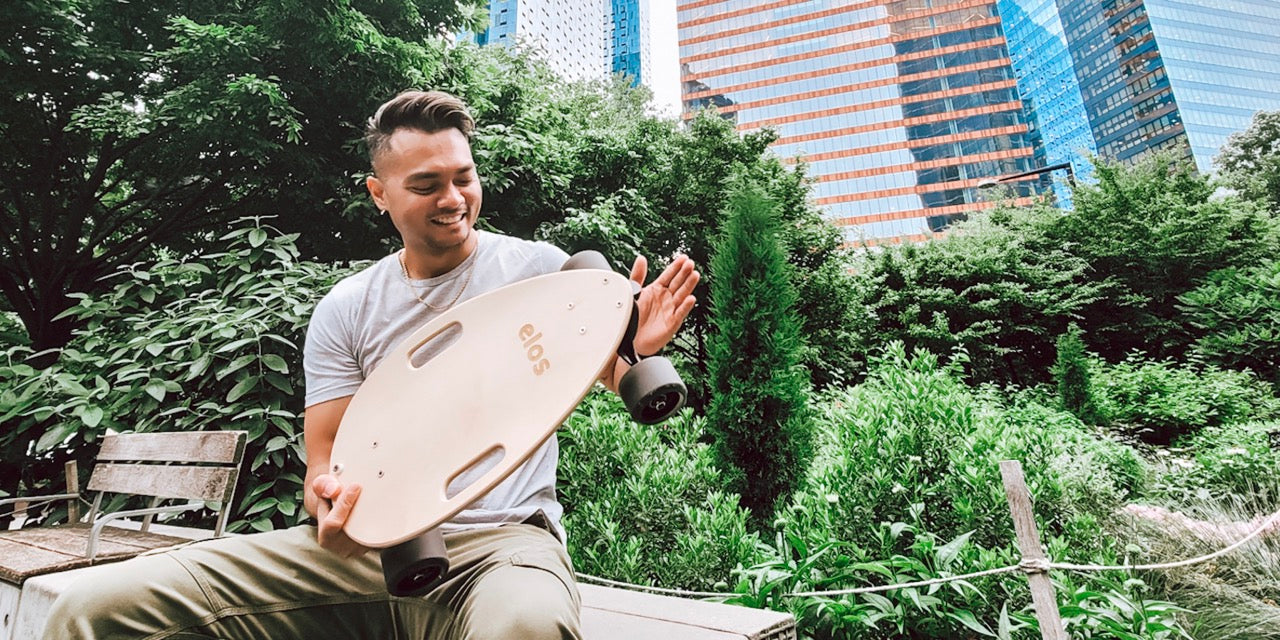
{"points": [[1028, 566]]}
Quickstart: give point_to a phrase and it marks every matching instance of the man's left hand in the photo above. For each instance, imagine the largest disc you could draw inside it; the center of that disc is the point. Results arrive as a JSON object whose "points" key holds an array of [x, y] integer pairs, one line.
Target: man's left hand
{"points": [[664, 303]]}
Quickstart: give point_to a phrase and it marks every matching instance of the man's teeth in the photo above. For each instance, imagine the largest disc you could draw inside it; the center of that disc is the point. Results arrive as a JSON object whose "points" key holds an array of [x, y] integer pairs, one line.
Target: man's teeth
{"points": [[447, 219]]}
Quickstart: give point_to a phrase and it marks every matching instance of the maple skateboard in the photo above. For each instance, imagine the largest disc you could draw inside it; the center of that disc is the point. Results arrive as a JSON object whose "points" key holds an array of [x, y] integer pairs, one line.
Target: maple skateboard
{"points": [[475, 392]]}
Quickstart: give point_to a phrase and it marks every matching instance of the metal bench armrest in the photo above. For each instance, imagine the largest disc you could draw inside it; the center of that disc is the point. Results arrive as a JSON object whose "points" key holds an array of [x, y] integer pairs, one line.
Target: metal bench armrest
{"points": [[35, 501], [92, 551]]}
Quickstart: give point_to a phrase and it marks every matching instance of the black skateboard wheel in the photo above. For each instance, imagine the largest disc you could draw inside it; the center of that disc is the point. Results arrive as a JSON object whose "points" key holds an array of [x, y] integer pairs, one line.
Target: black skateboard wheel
{"points": [[587, 260], [652, 390], [415, 567]]}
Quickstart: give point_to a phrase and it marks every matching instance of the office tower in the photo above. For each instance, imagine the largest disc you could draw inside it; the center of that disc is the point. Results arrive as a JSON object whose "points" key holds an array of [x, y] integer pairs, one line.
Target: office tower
{"points": [[900, 109], [1151, 75], [630, 40], [571, 36]]}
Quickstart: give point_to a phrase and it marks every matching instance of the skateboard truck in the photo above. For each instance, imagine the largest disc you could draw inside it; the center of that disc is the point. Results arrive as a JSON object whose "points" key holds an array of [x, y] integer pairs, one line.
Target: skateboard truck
{"points": [[651, 389], [416, 566]]}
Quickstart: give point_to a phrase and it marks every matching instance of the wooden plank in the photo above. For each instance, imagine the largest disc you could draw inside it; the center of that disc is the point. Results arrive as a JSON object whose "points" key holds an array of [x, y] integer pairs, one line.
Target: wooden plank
{"points": [[20, 560], [599, 624], [191, 483], [1024, 525], [222, 447], [72, 473], [740, 622]]}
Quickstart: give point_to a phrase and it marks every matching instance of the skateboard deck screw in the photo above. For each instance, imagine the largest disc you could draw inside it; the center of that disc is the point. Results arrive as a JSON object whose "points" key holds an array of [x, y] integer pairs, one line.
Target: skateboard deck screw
{"points": [[381, 473], [337, 469], [570, 306], [582, 331]]}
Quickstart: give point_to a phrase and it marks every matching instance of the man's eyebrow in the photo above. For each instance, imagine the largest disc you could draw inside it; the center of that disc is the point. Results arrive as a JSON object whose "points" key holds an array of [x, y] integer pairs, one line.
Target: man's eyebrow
{"points": [[432, 175]]}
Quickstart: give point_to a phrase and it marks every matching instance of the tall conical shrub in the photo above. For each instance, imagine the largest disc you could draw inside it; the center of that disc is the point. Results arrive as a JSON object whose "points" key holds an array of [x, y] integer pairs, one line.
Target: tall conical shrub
{"points": [[758, 412], [1071, 372]]}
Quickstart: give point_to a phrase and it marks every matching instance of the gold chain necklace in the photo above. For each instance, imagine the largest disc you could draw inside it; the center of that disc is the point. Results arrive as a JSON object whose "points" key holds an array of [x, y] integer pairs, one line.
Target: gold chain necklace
{"points": [[404, 273]]}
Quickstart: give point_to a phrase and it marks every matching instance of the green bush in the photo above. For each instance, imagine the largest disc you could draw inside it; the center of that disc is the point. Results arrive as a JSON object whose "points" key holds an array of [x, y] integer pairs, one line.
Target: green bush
{"points": [[1159, 401], [203, 342], [1236, 464], [1236, 318], [645, 504], [758, 415], [1071, 372]]}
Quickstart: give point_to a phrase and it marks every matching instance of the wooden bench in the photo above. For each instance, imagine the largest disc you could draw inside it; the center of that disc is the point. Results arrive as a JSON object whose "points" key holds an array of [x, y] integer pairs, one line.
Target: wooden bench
{"points": [[200, 467]]}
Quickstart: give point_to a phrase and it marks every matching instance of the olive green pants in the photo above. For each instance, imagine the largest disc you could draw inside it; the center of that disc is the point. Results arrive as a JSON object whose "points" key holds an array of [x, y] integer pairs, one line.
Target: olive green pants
{"points": [[513, 581]]}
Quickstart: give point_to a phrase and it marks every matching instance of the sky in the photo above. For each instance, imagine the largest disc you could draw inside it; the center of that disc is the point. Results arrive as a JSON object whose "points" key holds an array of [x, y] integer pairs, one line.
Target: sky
{"points": [[665, 53]]}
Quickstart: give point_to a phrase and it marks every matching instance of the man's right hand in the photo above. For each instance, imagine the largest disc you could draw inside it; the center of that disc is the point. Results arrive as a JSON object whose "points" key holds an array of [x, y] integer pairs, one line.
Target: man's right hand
{"points": [[332, 510]]}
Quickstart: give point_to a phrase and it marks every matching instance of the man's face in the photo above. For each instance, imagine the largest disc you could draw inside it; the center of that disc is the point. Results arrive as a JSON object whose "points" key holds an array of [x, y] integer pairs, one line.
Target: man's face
{"points": [[427, 183]]}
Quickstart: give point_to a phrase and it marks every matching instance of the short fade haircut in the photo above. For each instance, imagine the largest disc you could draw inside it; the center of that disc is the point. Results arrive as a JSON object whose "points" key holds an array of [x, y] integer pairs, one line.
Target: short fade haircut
{"points": [[426, 111]]}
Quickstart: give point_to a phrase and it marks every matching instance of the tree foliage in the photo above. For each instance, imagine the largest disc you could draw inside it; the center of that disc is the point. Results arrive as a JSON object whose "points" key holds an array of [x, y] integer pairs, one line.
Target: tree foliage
{"points": [[1235, 318], [178, 343], [758, 414], [137, 124], [1250, 160]]}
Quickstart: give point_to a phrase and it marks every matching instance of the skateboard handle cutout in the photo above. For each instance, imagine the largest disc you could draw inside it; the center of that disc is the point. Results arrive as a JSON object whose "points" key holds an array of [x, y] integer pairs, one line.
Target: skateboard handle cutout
{"points": [[433, 345], [474, 471]]}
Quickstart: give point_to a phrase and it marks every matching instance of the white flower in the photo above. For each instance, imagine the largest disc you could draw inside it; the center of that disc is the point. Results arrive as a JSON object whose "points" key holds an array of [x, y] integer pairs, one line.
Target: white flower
{"points": [[833, 498], [1236, 451]]}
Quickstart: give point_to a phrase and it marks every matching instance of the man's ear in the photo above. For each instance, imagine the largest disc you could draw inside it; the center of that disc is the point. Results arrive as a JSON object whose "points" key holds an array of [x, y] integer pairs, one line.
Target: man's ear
{"points": [[376, 189]]}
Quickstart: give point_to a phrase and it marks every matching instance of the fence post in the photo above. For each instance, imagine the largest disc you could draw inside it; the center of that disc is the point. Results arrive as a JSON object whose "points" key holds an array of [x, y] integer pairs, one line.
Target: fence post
{"points": [[1024, 524], [72, 474]]}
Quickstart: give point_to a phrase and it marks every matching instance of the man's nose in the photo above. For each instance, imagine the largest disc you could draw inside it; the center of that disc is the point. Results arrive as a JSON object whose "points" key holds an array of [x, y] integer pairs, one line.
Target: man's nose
{"points": [[450, 197]]}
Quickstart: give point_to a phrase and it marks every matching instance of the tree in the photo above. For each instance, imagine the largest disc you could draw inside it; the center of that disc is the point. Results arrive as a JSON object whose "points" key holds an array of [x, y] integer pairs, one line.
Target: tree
{"points": [[139, 124], [1235, 318], [1071, 371], [1250, 160], [1152, 231], [758, 414]]}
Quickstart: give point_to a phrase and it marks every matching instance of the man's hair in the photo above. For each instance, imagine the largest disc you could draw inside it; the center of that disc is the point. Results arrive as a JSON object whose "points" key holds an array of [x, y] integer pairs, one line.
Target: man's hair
{"points": [[426, 111]]}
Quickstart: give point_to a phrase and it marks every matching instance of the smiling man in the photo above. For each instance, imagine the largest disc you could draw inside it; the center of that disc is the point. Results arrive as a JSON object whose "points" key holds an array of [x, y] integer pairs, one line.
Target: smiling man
{"points": [[510, 576]]}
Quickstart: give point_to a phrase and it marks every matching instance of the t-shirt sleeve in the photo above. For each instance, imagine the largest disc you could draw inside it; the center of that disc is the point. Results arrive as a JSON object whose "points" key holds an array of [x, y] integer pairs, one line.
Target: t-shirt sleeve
{"points": [[551, 257], [329, 355]]}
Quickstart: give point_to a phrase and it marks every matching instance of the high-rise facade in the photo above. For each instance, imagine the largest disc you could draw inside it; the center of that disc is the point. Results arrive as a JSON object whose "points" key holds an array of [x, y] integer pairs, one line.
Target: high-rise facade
{"points": [[899, 109], [572, 37], [580, 40], [630, 40], [1151, 74]]}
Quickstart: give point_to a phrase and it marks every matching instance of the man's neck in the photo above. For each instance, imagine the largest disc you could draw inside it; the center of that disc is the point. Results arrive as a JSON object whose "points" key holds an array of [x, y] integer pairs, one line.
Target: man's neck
{"points": [[421, 264]]}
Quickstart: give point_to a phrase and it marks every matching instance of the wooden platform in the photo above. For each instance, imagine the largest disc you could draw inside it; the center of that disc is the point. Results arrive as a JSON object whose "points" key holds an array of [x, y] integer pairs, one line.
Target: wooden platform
{"points": [[607, 613]]}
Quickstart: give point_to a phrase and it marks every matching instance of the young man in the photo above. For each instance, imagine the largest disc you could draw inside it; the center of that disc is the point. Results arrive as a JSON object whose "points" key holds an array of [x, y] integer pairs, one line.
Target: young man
{"points": [[509, 576]]}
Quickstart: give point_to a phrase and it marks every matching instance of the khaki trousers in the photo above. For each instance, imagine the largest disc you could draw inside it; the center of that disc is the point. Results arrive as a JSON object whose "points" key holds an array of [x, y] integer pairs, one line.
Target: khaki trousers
{"points": [[513, 581]]}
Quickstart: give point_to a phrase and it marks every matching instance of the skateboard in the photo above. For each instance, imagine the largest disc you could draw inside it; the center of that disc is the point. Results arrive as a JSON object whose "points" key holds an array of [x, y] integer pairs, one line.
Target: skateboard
{"points": [[484, 384]]}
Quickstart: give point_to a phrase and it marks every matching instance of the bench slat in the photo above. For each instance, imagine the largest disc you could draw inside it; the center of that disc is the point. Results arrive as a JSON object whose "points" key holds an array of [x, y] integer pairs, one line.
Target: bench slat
{"points": [[709, 618], [191, 483], [222, 447]]}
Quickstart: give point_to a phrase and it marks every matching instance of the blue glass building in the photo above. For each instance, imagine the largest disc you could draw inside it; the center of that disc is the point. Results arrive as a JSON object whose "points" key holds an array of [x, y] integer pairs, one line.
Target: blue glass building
{"points": [[1143, 76], [630, 42], [572, 37]]}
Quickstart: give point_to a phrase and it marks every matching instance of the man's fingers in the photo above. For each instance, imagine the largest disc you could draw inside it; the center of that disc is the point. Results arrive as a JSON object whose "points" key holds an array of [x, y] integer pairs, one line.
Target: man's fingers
{"points": [[326, 486], [342, 506], [639, 270]]}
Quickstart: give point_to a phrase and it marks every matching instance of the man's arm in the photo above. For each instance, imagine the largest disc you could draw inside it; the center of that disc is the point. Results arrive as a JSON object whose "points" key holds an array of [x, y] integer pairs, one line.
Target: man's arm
{"points": [[663, 306], [323, 494]]}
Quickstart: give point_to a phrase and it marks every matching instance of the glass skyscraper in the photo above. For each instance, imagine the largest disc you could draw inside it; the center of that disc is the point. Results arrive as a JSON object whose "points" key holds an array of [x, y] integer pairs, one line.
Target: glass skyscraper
{"points": [[900, 109], [630, 41], [1152, 75]]}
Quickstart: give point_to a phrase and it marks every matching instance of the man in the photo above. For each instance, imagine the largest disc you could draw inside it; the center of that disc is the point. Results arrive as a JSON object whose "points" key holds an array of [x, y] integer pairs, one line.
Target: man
{"points": [[510, 576]]}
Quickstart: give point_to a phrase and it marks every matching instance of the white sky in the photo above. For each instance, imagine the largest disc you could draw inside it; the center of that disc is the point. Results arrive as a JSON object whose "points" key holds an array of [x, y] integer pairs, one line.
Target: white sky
{"points": [[664, 49]]}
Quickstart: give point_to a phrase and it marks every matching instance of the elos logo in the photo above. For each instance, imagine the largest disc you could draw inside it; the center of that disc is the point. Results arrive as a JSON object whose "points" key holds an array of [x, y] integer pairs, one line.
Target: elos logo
{"points": [[532, 350]]}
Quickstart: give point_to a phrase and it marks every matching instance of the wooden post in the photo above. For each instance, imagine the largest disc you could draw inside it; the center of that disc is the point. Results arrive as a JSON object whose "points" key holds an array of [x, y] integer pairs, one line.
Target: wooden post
{"points": [[72, 472], [1024, 524]]}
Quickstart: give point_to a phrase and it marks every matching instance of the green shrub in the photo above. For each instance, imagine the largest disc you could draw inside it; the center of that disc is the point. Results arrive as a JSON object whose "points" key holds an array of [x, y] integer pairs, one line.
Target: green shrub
{"points": [[645, 504], [1071, 372], [1236, 464], [1236, 316], [1160, 401], [758, 415], [203, 342]]}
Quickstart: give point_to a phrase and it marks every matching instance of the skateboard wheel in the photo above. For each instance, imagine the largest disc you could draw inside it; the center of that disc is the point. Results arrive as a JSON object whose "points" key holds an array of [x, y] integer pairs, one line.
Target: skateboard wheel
{"points": [[587, 260], [415, 567], [652, 390]]}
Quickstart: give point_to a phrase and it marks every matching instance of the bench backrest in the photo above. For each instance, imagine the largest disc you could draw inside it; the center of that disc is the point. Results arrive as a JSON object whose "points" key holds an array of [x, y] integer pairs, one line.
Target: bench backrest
{"points": [[200, 465]]}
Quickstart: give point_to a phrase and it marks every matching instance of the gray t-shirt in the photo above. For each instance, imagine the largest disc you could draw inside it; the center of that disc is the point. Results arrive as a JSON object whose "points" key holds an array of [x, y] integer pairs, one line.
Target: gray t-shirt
{"points": [[365, 315]]}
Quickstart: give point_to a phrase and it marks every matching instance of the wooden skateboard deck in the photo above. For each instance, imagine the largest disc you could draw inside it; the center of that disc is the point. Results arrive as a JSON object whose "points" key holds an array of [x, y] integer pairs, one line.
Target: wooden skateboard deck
{"points": [[522, 358]]}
